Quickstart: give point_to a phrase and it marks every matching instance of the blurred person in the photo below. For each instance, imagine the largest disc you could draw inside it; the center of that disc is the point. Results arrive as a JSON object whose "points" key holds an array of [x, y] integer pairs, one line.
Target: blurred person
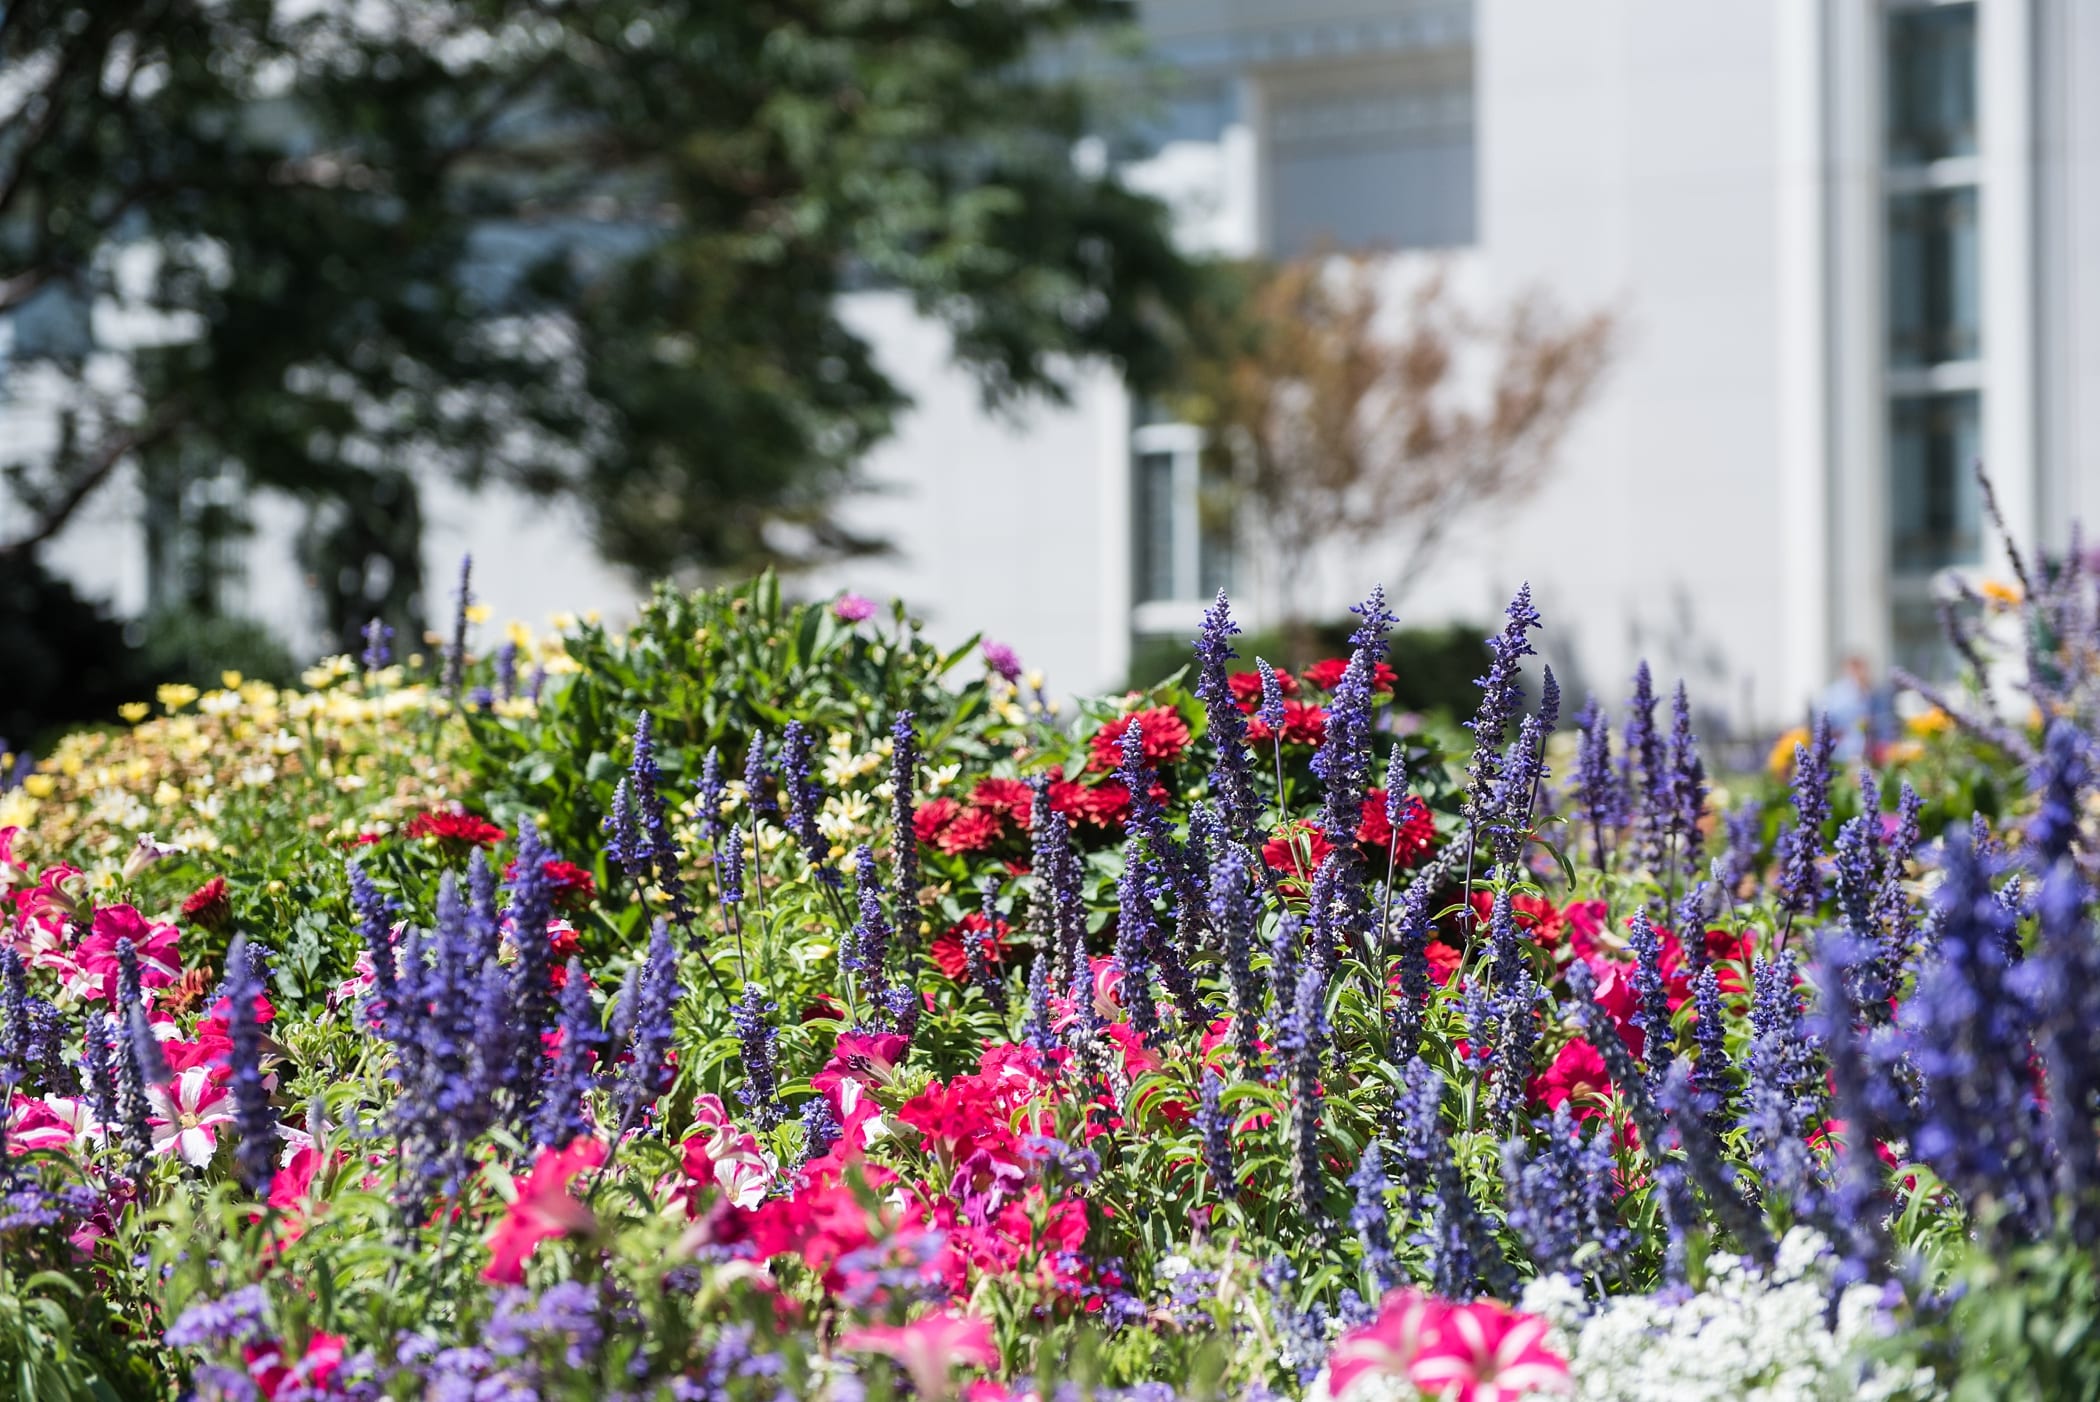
{"points": [[1862, 711]]}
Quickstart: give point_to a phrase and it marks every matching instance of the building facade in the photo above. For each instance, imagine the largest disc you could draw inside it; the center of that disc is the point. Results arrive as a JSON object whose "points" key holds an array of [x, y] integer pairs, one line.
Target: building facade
{"points": [[1849, 243]]}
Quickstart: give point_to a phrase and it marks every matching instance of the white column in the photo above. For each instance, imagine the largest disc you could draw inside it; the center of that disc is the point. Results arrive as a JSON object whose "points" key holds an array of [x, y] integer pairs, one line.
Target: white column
{"points": [[1803, 313], [2006, 148]]}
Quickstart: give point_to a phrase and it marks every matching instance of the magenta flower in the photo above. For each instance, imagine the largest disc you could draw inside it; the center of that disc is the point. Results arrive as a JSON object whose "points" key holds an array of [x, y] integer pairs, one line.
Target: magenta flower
{"points": [[929, 1348], [1000, 658], [1487, 1352], [1388, 1346], [853, 608]]}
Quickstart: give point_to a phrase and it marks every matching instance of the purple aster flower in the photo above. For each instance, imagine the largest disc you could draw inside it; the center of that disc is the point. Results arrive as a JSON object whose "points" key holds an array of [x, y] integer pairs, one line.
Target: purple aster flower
{"points": [[852, 608], [1001, 659]]}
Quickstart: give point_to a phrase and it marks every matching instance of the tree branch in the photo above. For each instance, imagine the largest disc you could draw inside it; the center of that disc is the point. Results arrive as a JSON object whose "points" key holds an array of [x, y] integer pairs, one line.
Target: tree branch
{"points": [[89, 478]]}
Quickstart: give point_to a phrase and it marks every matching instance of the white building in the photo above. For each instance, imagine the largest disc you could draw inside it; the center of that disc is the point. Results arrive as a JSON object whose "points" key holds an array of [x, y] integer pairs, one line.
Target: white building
{"points": [[1850, 245]]}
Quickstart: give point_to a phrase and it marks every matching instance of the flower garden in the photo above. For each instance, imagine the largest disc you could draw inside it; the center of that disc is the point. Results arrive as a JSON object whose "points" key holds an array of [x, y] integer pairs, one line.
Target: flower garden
{"points": [[760, 1004]]}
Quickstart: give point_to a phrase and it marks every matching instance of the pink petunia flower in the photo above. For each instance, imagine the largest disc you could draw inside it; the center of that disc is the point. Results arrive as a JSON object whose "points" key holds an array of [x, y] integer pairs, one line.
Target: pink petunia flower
{"points": [[94, 960], [543, 1208], [1388, 1346], [930, 1348], [1487, 1352], [186, 1113]]}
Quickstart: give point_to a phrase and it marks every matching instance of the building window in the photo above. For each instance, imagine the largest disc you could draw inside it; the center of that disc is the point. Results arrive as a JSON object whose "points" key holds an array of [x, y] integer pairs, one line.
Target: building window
{"points": [[1932, 276], [1931, 83], [1936, 513], [1182, 531]]}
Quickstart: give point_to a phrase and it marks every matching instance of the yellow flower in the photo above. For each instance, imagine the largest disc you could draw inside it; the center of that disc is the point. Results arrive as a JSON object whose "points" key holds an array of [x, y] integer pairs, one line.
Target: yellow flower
{"points": [[2005, 595], [1931, 722], [1902, 752], [230, 680], [519, 635], [176, 695], [40, 786], [477, 613], [1781, 760], [134, 711]]}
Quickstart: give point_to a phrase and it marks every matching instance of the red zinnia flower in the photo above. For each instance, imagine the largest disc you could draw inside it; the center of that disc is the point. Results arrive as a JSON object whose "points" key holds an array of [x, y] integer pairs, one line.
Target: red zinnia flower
{"points": [[1326, 673], [208, 906], [932, 816], [464, 828], [1105, 805], [1304, 723], [1162, 732], [1009, 797], [1417, 833], [572, 885], [971, 830]]}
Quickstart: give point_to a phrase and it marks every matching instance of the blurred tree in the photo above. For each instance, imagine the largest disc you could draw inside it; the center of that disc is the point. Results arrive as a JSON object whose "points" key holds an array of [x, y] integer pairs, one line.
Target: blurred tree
{"points": [[583, 246], [1342, 418]]}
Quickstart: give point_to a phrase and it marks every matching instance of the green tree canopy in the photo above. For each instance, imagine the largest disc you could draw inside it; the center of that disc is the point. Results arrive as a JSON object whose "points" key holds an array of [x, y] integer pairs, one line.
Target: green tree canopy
{"points": [[592, 248]]}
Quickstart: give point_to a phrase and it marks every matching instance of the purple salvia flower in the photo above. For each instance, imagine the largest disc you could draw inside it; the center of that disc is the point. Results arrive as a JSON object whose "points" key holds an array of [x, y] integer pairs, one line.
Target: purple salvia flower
{"points": [[1597, 796], [532, 976], [1300, 1042], [507, 671], [1374, 1228], [805, 799], [1235, 911], [1501, 690], [1049, 846], [1412, 934], [2061, 780], [2062, 985], [456, 654], [134, 1076], [1650, 996], [254, 1122], [1284, 963], [146, 1049], [1231, 777], [1214, 1134], [14, 1018], [625, 844], [98, 1068], [1894, 917], [561, 1115], [978, 945], [1343, 761], [664, 857], [1800, 884], [1690, 1113], [1969, 1038], [1513, 1050], [1136, 937], [1544, 1194], [904, 837], [649, 1045], [729, 869], [1270, 712], [1859, 1192], [1858, 871], [868, 945], [756, 772], [1510, 810], [708, 795], [1643, 775], [1744, 825], [758, 1042], [1686, 786], [1679, 1211], [1162, 866], [1713, 1076], [378, 650], [1038, 1027], [483, 918]]}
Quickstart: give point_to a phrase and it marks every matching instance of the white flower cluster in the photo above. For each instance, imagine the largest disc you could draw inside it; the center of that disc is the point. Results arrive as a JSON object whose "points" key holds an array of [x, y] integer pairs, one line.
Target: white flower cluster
{"points": [[1747, 1335]]}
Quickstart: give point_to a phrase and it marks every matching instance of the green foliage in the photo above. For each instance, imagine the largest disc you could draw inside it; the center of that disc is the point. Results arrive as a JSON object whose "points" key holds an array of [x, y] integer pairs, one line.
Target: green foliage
{"points": [[590, 249], [2017, 1326], [1435, 668]]}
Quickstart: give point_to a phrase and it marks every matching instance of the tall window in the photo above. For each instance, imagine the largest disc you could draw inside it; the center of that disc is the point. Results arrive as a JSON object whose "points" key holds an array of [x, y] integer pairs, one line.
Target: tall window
{"points": [[1183, 541], [1935, 335]]}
